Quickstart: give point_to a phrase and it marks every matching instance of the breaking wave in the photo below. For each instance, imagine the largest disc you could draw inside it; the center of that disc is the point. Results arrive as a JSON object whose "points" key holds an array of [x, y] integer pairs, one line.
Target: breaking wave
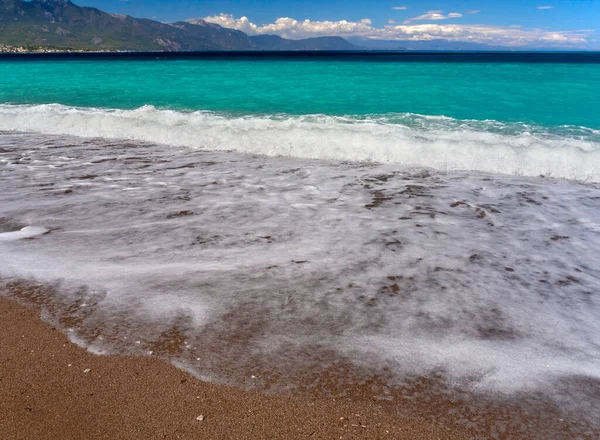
{"points": [[407, 139]]}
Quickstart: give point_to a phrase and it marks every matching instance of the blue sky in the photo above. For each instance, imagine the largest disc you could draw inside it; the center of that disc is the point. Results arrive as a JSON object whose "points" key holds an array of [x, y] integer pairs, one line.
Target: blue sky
{"points": [[568, 23]]}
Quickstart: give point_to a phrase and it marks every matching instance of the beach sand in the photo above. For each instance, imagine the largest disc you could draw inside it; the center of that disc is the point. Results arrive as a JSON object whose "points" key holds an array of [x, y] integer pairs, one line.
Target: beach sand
{"points": [[51, 388]]}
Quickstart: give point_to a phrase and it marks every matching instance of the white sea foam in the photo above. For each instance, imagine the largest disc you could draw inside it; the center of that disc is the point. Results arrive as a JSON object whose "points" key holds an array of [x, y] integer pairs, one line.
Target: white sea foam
{"points": [[27, 232], [406, 139]]}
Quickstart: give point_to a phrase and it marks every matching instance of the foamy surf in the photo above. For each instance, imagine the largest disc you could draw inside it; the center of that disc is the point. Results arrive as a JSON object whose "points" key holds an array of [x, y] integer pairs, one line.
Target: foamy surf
{"points": [[405, 139]]}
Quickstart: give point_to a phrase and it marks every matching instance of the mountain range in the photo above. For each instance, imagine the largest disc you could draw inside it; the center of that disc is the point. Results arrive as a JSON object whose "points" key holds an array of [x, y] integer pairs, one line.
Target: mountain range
{"points": [[61, 24]]}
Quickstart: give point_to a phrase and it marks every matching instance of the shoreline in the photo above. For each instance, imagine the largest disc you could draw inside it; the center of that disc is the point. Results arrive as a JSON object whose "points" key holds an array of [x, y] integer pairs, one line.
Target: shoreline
{"points": [[53, 388]]}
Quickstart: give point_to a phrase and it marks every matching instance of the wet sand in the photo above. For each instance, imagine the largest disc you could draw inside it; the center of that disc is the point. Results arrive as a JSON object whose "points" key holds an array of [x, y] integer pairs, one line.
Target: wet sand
{"points": [[53, 389]]}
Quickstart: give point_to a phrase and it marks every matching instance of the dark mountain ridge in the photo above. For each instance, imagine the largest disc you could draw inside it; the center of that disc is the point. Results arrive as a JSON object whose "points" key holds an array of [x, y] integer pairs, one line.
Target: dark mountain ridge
{"points": [[62, 24]]}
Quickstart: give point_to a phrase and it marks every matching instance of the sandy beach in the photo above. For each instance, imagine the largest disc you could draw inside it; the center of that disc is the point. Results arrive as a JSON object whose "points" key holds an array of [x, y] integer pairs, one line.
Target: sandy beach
{"points": [[53, 389]]}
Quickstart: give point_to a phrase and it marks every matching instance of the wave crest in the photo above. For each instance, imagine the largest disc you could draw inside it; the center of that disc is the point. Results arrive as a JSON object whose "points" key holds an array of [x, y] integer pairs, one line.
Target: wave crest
{"points": [[406, 139]]}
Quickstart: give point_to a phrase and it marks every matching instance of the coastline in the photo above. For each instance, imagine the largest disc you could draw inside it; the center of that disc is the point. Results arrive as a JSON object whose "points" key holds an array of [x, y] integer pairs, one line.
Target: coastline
{"points": [[52, 388]]}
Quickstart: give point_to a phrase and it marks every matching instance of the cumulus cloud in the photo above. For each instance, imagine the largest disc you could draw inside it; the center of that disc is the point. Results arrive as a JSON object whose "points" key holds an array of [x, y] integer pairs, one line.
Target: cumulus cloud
{"points": [[434, 15], [400, 8], [545, 7], [473, 11], [294, 29], [511, 36]]}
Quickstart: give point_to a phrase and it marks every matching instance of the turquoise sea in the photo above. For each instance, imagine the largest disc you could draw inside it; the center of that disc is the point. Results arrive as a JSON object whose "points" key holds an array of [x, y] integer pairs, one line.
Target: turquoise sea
{"points": [[503, 114], [408, 227], [547, 94]]}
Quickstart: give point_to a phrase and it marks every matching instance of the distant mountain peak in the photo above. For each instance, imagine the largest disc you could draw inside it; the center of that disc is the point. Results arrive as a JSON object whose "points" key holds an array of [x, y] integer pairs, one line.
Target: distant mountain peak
{"points": [[201, 22], [197, 21]]}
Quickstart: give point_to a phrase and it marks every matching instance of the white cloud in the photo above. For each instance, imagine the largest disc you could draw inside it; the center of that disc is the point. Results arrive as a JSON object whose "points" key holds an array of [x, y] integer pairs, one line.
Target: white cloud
{"points": [[545, 7], [434, 15], [512, 36], [391, 21], [291, 28], [400, 8], [473, 11]]}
